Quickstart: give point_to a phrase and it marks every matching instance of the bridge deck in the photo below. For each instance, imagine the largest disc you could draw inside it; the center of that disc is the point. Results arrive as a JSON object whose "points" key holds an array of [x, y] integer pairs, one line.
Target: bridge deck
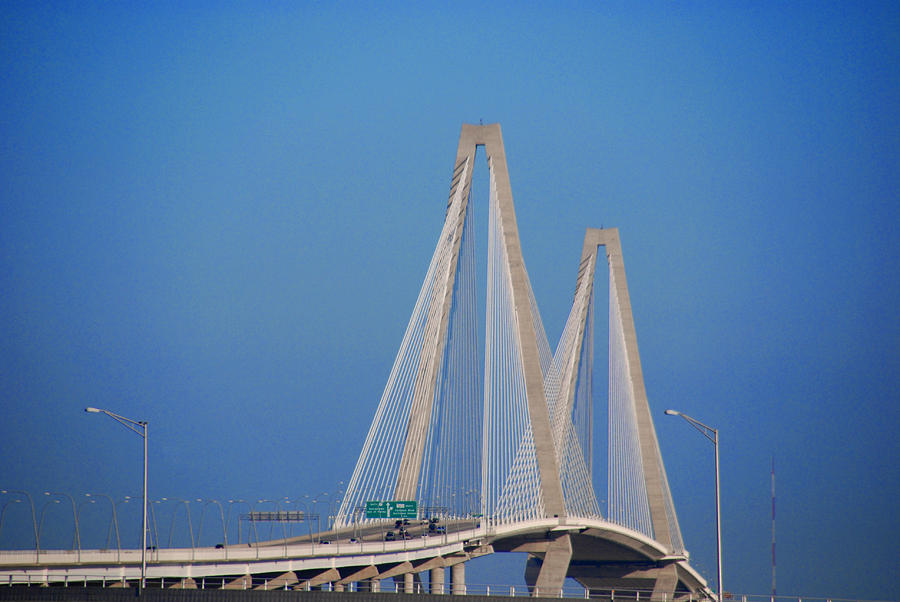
{"points": [[598, 543]]}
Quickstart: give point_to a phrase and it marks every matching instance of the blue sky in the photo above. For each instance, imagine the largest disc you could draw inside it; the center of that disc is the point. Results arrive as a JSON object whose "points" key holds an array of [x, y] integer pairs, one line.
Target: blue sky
{"points": [[216, 217]]}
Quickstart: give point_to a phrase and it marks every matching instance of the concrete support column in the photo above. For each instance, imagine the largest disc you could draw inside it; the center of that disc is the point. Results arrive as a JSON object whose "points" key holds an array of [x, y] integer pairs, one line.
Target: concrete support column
{"points": [[436, 580], [368, 585], [409, 580], [458, 579], [666, 582], [337, 587], [554, 568]]}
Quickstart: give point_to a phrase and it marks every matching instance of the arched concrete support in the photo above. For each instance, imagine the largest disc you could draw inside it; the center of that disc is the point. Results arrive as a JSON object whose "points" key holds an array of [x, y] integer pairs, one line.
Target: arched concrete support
{"points": [[436, 580], [396, 570], [324, 577], [186, 583], [458, 579], [242, 582], [431, 563], [662, 580], [364, 573], [280, 582]]}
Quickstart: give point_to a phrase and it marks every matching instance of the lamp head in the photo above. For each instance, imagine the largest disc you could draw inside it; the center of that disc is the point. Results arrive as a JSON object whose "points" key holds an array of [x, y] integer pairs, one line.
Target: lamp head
{"points": [[673, 413], [92, 410]]}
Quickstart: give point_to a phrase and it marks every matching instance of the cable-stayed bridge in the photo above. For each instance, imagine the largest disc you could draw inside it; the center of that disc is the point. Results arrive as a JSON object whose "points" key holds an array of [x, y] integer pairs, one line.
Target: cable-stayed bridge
{"points": [[491, 437]]}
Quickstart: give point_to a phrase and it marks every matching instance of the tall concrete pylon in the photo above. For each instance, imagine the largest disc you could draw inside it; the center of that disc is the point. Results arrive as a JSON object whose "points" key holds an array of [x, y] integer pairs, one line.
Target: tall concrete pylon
{"points": [[489, 137]]}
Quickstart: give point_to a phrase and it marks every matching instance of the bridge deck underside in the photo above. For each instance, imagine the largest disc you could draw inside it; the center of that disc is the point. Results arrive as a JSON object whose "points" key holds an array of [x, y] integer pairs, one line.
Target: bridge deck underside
{"points": [[601, 560]]}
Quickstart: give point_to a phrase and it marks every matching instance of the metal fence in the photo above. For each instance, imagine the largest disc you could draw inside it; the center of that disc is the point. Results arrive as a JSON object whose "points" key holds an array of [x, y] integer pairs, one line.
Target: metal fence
{"points": [[72, 588]]}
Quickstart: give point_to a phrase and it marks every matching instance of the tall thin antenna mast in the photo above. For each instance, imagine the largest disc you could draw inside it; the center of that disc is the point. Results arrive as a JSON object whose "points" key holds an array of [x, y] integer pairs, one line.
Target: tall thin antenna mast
{"points": [[773, 528]]}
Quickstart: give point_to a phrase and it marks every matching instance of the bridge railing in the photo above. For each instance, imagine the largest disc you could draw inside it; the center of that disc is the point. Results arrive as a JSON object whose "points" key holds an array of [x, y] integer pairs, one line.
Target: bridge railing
{"points": [[101, 521], [70, 580], [390, 586]]}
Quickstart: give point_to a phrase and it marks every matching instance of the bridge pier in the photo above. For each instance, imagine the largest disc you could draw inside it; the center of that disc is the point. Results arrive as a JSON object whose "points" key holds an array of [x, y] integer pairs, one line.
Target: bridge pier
{"points": [[371, 585], [436, 580], [242, 582], [411, 583], [666, 582], [545, 574], [458, 579]]}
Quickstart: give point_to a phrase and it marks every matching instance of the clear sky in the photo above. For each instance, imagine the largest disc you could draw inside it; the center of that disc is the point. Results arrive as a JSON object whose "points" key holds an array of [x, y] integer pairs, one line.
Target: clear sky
{"points": [[216, 217]]}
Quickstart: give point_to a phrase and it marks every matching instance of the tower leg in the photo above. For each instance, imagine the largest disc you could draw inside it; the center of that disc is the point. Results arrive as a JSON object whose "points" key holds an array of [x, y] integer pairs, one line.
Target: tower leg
{"points": [[666, 582], [554, 568]]}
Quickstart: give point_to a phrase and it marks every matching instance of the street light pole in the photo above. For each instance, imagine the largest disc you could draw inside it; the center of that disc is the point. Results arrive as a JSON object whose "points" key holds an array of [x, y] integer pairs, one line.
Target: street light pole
{"points": [[133, 425], [115, 521], [74, 516], [37, 537], [713, 435]]}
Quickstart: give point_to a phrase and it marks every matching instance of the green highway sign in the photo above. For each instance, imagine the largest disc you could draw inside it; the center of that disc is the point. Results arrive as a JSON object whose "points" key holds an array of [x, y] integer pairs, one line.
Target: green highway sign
{"points": [[406, 509], [376, 509]]}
